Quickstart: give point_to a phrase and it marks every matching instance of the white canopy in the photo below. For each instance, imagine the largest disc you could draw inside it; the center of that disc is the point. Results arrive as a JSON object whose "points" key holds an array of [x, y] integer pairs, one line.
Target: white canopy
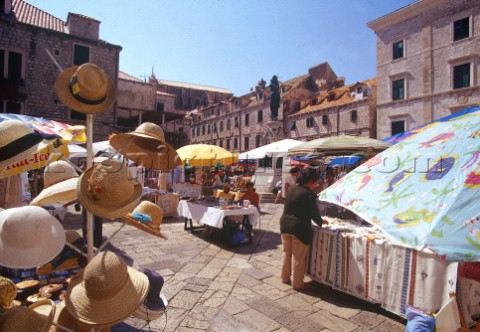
{"points": [[270, 149]]}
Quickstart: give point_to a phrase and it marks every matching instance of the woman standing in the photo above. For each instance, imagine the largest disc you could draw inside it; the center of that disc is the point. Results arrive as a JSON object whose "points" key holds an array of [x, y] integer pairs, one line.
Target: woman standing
{"points": [[296, 229]]}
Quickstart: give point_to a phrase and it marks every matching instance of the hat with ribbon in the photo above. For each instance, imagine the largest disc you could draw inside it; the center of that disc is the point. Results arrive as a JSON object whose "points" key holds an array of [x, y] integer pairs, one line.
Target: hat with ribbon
{"points": [[17, 141], [8, 292], [147, 147], [108, 190], [29, 237], [37, 317], [86, 89], [60, 180], [147, 216], [154, 305], [106, 292]]}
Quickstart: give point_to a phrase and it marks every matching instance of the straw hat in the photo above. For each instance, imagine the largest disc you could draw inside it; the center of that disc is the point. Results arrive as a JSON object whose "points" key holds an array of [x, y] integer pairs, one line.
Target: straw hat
{"points": [[37, 317], [29, 237], [107, 190], [17, 141], [147, 216], [146, 146], [106, 292], [65, 319], [86, 89], [154, 305], [8, 292], [60, 180]]}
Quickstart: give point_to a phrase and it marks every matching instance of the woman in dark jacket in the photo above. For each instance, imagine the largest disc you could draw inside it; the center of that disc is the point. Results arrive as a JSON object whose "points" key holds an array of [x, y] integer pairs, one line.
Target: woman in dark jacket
{"points": [[296, 229]]}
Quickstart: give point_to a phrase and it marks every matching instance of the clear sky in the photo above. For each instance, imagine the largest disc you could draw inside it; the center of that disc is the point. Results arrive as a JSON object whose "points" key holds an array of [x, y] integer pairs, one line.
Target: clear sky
{"points": [[234, 43]]}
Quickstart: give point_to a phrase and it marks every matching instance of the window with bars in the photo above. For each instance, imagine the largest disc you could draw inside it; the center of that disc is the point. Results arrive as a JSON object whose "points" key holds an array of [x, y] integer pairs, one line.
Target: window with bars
{"points": [[353, 115], [310, 122], [398, 89], [461, 76], [461, 29], [260, 116], [398, 50]]}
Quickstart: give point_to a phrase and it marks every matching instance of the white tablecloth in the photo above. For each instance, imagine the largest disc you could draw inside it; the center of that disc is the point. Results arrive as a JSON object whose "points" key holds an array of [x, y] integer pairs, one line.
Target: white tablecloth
{"points": [[213, 216]]}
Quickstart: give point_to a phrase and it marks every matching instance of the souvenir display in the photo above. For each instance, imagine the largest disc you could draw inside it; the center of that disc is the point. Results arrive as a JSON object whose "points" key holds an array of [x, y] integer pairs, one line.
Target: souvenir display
{"points": [[147, 216]]}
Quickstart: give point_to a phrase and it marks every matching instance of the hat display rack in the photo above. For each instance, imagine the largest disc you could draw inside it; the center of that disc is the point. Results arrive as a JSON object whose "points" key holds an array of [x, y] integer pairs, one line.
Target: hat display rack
{"points": [[147, 140]]}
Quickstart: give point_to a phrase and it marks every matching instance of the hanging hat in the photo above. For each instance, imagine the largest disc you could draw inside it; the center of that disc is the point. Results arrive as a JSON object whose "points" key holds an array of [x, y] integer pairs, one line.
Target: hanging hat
{"points": [[17, 141], [147, 147], [8, 292], [147, 216], [29, 237], [65, 319], [154, 305], [86, 89], [106, 292], [60, 181], [107, 190], [37, 317]]}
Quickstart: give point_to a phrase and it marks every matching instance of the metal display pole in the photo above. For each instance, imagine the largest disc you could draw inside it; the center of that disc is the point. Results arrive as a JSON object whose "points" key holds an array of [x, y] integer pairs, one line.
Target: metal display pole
{"points": [[89, 164]]}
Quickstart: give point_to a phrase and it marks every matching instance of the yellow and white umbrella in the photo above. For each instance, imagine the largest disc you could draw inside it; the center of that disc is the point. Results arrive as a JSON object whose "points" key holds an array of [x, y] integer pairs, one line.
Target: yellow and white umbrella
{"points": [[206, 155]]}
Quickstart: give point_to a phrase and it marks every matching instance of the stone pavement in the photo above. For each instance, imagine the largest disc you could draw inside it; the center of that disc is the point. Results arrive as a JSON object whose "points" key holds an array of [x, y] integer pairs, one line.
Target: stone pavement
{"points": [[212, 287]]}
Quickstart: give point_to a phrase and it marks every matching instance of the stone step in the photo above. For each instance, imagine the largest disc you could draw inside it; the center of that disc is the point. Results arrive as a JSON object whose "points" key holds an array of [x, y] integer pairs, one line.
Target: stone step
{"points": [[267, 197]]}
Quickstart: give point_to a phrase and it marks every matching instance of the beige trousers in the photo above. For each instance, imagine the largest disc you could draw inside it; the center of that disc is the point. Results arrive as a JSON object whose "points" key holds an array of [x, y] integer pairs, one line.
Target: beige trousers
{"points": [[296, 249]]}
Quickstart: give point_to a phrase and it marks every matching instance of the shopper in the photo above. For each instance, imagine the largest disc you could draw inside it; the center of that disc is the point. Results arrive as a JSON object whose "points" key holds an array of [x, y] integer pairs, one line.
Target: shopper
{"points": [[291, 179], [296, 229]]}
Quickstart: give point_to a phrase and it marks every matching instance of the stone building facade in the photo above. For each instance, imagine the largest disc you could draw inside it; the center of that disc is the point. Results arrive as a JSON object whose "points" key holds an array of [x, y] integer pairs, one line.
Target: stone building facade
{"points": [[428, 62], [34, 46], [243, 123], [346, 110]]}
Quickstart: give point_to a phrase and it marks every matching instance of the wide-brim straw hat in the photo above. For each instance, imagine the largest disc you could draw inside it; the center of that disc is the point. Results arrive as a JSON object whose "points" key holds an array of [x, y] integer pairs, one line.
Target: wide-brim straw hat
{"points": [[146, 146], [108, 190], [147, 217], [29, 237], [85, 89], [106, 292], [37, 317], [60, 180], [17, 142], [64, 319], [8, 292]]}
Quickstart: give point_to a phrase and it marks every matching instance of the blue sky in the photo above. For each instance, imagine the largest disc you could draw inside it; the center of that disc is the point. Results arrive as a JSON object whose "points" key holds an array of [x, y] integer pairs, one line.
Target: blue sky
{"points": [[234, 43]]}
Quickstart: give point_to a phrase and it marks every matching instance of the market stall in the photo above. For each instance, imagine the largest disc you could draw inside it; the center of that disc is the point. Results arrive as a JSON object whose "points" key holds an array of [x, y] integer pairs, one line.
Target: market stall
{"points": [[420, 197]]}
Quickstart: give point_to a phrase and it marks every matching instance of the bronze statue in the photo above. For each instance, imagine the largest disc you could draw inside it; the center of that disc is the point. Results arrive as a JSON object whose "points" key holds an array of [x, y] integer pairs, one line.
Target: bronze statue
{"points": [[274, 98]]}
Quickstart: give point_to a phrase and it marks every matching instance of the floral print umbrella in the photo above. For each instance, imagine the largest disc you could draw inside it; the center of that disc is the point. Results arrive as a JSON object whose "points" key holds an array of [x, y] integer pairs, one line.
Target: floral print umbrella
{"points": [[423, 192]]}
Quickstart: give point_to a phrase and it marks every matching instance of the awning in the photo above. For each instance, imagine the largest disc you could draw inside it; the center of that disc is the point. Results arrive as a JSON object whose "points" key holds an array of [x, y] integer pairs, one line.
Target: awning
{"points": [[344, 160]]}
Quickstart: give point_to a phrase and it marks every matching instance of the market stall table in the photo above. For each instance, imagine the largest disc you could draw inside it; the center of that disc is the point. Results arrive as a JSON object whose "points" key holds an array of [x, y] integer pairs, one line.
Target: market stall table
{"points": [[186, 189], [359, 261], [215, 217]]}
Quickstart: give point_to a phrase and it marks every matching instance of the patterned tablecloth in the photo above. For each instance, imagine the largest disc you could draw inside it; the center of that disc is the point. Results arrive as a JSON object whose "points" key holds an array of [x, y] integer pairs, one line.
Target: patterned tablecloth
{"points": [[376, 270], [184, 189]]}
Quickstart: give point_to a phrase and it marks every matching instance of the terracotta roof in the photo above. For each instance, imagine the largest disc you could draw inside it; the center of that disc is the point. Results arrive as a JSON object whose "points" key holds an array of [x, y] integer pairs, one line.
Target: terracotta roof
{"points": [[194, 86], [29, 14], [342, 96]]}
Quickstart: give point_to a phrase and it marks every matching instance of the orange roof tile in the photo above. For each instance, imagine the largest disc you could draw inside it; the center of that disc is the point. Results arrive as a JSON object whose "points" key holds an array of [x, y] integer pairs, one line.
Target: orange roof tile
{"points": [[29, 14]]}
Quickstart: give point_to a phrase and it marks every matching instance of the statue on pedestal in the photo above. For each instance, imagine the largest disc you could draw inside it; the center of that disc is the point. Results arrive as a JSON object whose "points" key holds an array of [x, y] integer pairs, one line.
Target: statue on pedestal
{"points": [[274, 98]]}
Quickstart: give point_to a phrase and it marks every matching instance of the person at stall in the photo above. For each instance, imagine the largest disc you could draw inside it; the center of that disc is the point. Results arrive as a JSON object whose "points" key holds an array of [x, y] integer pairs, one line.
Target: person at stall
{"points": [[291, 179], [296, 229], [251, 195], [225, 193]]}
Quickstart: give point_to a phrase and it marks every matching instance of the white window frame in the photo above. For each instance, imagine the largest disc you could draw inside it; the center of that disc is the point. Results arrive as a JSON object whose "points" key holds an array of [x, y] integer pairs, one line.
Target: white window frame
{"points": [[470, 27]]}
